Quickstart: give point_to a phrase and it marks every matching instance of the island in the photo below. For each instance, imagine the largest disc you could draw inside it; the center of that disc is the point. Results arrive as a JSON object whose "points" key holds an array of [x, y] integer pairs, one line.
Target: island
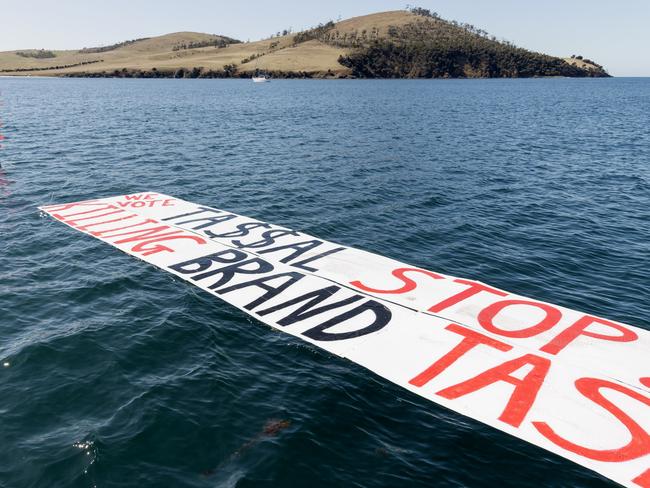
{"points": [[413, 43]]}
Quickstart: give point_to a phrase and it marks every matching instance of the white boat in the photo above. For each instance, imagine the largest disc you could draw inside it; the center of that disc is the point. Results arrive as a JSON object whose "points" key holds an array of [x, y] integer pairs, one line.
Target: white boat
{"points": [[260, 79]]}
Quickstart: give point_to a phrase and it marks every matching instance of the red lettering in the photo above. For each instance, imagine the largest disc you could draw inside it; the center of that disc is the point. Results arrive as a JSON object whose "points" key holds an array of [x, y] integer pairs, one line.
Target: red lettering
{"points": [[66, 206], [159, 247], [74, 222], [638, 446], [133, 197], [145, 234], [571, 333], [86, 226], [470, 340], [58, 216], [486, 318], [474, 289], [399, 273], [522, 397], [643, 480], [409, 284], [149, 236], [100, 233], [149, 203]]}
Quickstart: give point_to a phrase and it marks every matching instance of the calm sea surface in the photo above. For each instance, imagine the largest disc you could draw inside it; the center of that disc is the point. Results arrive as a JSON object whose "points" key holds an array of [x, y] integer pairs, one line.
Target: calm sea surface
{"points": [[115, 374]]}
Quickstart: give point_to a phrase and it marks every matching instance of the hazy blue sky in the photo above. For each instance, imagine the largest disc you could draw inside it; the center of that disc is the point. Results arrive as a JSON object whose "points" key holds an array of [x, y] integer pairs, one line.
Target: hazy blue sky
{"points": [[615, 34]]}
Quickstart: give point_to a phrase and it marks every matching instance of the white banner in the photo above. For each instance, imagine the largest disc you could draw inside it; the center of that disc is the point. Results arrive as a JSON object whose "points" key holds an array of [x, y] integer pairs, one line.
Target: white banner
{"points": [[572, 383]]}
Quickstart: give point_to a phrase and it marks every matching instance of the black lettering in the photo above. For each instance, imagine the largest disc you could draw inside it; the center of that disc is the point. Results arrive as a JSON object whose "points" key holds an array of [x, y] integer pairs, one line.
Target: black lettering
{"points": [[258, 266], [201, 210], [243, 229], [268, 238], [313, 298], [208, 222], [382, 317], [197, 265], [271, 291]]}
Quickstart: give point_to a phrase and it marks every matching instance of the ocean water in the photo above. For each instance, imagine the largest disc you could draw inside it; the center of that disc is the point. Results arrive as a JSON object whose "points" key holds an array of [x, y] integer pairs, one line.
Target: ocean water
{"points": [[114, 374]]}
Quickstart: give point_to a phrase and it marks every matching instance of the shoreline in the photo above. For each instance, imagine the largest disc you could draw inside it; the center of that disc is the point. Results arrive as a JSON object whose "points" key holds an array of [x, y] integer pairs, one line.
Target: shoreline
{"points": [[193, 73]]}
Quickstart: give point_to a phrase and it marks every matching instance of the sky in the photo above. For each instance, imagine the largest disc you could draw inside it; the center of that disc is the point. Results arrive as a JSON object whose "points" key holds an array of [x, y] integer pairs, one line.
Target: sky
{"points": [[615, 34]]}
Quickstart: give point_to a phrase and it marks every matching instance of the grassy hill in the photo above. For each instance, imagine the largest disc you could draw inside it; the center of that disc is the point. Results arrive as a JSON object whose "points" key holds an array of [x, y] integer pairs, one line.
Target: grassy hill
{"points": [[398, 44]]}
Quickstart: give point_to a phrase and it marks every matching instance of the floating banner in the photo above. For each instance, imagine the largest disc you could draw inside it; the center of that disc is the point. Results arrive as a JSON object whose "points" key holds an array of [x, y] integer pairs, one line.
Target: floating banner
{"points": [[572, 383]]}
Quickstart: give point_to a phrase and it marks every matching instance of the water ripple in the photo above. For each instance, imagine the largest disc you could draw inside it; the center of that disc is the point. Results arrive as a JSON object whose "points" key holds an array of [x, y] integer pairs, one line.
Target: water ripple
{"points": [[116, 374]]}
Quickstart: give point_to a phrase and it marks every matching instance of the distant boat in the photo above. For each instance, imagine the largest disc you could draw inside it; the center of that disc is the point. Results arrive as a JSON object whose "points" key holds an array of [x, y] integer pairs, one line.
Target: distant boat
{"points": [[259, 76]]}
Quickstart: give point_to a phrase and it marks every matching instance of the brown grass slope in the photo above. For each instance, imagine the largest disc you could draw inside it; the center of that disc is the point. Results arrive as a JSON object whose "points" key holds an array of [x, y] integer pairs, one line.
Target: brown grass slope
{"points": [[316, 52]]}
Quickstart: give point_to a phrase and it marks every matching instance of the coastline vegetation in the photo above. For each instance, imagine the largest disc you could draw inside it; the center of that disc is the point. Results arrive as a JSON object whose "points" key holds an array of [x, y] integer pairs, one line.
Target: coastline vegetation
{"points": [[228, 71], [36, 54], [387, 59]]}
